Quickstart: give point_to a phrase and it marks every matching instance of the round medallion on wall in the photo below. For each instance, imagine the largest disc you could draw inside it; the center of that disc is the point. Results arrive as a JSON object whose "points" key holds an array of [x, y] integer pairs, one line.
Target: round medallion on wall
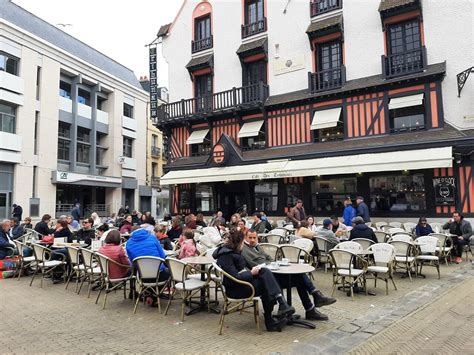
{"points": [[219, 154]]}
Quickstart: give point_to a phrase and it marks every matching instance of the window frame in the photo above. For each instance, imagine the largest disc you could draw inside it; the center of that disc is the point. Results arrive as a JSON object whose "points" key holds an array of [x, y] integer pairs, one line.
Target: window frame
{"points": [[392, 118], [63, 92], [319, 55], [4, 58], [130, 113], [273, 197], [11, 116], [258, 143], [210, 198], [247, 6], [83, 97], [198, 28], [403, 36], [127, 149], [318, 134], [260, 72], [347, 181]]}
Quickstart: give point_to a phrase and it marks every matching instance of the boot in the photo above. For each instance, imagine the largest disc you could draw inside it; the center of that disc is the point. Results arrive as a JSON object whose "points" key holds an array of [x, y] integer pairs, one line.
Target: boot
{"points": [[314, 314], [285, 310], [320, 300], [273, 324]]}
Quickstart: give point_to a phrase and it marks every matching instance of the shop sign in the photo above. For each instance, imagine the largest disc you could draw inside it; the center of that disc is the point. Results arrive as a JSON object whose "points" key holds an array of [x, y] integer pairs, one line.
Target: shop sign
{"points": [[153, 83], [275, 175], [220, 154], [445, 190], [67, 177]]}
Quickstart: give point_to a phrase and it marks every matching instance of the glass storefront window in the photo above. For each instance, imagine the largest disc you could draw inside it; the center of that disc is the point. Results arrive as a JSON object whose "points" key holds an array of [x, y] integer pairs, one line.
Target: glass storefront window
{"points": [[266, 196], [293, 193], [398, 193], [204, 198], [327, 196]]}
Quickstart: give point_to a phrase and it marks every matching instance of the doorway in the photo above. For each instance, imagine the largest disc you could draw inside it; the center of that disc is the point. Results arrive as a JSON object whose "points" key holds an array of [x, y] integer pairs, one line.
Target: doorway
{"points": [[232, 197], [5, 209]]}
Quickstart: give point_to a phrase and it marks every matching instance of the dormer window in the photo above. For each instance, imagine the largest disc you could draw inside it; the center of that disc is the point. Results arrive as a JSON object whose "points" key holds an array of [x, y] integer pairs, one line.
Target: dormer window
{"points": [[202, 34], [318, 7]]}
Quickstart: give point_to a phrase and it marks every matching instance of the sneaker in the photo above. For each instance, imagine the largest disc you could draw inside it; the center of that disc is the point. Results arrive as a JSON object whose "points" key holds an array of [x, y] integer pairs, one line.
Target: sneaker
{"points": [[320, 300], [285, 310], [315, 315]]}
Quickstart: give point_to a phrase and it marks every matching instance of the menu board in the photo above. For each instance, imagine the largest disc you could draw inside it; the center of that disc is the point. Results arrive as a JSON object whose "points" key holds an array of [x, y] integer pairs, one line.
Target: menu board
{"points": [[445, 191]]}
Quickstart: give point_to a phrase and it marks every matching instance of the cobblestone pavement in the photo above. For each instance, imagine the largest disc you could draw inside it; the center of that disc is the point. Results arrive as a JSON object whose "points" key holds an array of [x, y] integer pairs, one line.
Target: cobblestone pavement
{"points": [[52, 319]]}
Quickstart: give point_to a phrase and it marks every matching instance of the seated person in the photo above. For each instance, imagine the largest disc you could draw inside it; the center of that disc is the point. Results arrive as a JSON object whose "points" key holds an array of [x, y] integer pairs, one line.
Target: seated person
{"points": [[229, 258], [423, 228], [234, 220], [86, 233], [325, 231], [361, 230], [175, 230], [103, 231], [143, 243], [27, 223], [188, 245], [73, 225], [462, 230], [200, 220], [258, 225], [302, 230], [7, 246], [254, 256], [127, 225], [190, 221], [241, 226], [62, 230], [338, 228], [114, 251], [42, 226], [160, 234], [16, 230]]}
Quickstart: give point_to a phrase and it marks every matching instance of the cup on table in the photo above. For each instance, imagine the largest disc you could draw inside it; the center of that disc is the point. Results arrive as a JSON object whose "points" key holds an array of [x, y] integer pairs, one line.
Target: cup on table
{"points": [[285, 261], [274, 265], [74, 241]]}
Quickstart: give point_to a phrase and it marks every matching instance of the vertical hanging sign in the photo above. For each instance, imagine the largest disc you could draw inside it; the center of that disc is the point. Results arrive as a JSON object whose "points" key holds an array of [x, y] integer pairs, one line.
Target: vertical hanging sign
{"points": [[153, 84]]}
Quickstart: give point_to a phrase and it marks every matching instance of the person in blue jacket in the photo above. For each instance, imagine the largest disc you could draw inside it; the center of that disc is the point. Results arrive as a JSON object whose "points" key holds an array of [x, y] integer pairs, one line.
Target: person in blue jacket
{"points": [[349, 212], [362, 209]]}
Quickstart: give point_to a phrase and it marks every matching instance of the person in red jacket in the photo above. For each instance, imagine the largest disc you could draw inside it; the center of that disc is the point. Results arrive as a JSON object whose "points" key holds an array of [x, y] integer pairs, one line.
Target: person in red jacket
{"points": [[114, 251]]}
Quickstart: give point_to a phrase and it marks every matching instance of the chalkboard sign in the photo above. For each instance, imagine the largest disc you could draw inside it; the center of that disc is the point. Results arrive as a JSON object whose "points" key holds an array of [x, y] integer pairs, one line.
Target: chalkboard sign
{"points": [[445, 191]]}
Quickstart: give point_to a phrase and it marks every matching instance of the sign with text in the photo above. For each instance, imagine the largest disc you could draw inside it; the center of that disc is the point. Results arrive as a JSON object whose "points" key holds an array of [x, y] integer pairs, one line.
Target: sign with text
{"points": [[445, 190], [153, 83]]}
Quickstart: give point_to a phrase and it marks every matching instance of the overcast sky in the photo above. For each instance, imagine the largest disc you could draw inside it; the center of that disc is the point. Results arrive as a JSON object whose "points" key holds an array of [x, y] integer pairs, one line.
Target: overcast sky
{"points": [[118, 28]]}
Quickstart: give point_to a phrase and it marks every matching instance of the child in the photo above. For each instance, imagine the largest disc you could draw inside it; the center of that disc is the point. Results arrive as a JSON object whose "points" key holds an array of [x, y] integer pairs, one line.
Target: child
{"points": [[160, 234], [188, 246]]}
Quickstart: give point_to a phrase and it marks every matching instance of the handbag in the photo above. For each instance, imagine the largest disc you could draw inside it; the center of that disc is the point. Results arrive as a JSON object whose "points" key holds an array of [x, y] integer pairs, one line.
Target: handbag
{"points": [[48, 239]]}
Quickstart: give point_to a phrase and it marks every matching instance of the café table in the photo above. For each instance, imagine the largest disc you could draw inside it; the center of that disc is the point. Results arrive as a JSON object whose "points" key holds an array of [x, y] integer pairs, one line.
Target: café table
{"points": [[202, 261], [289, 270]]}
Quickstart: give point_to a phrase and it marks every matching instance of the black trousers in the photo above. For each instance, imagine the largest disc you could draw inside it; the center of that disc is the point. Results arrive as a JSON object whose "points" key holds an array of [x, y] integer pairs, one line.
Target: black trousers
{"points": [[458, 246]]}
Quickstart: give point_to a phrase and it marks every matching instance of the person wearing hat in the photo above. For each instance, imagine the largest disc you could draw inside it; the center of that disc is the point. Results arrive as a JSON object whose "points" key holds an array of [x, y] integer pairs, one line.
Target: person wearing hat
{"points": [[361, 230], [362, 209], [325, 231]]}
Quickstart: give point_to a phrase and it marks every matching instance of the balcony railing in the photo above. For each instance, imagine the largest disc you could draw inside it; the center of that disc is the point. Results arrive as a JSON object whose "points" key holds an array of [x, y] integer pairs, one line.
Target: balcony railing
{"points": [[327, 79], [404, 63], [236, 98], [155, 181], [255, 27], [318, 7], [155, 151], [201, 44]]}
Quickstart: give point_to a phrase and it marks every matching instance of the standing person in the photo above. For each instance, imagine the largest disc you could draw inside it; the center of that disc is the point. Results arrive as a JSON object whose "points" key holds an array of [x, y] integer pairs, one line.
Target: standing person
{"points": [[297, 213], [362, 209], [17, 211], [462, 230], [230, 259], [76, 212], [219, 218], [423, 228], [349, 212]]}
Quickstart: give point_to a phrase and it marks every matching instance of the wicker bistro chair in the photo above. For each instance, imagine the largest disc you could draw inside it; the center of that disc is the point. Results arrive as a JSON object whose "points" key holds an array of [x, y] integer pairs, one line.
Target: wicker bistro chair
{"points": [[404, 256], [401, 237], [384, 256], [271, 249], [106, 283], [350, 246], [92, 269], [147, 277], [78, 268], [344, 272], [274, 239], [187, 287], [381, 236], [25, 261], [237, 304], [395, 224], [45, 264], [30, 235], [428, 246], [380, 225], [306, 244], [365, 243], [394, 230], [443, 250], [296, 254], [409, 227], [437, 227], [323, 251]]}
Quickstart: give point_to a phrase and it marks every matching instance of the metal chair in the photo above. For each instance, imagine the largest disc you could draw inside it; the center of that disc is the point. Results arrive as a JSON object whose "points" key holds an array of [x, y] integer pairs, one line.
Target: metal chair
{"points": [[108, 284], [437, 227], [404, 256], [237, 304], [296, 254], [344, 269], [92, 269], [384, 256], [188, 287], [393, 230], [409, 227], [274, 239], [365, 243], [323, 251], [271, 249], [443, 250], [381, 236], [25, 261], [395, 224], [428, 246], [147, 277], [45, 264], [77, 267], [401, 236], [380, 225], [351, 246]]}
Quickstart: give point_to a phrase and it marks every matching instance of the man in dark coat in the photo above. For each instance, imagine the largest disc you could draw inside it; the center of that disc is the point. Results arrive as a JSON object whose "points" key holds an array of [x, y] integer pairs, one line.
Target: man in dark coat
{"points": [[362, 209], [17, 211]]}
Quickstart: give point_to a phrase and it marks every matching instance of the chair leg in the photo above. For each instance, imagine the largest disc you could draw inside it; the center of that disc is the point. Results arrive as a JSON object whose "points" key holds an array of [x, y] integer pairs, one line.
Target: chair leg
{"points": [[34, 275], [409, 272], [89, 286], [257, 316], [21, 268], [185, 298], [375, 280], [138, 300], [69, 279], [171, 296], [437, 268], [221, 320], [386, 286], [42, 278], [158, 294], [100, 292], [105, 296]]}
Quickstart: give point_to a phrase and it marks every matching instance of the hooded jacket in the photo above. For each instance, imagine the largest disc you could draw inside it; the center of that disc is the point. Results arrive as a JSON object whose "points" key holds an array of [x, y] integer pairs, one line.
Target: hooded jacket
{"points": [[143, 243], [363, 231]]}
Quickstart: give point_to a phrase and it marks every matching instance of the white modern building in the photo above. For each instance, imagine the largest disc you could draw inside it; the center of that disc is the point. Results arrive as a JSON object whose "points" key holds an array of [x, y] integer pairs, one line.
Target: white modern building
{"points": [[320, 99], [72, 122]]}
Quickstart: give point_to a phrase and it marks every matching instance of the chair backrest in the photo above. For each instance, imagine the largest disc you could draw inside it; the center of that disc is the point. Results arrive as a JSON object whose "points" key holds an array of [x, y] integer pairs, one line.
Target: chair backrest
{"points": [[437, 227], [103, 264], [383, 253], [210, 251], [368, 224], [379, 225], [395, 224], [381, 236], [282, 232], [304, 243], [88, 257], [177, 269], [220, 273], [323, 244], [396, 230], [319, 223], [401, 248], [148, 267], [443, 238], [96, 244], [280, 223], [273, 239], [292, 252], [270, 249], [342, 259], [409, 226], [41, 252], [20, 246], [74, 255], [365, 243], [427, 244], [401, 237], [34, 235], [350, 246]]}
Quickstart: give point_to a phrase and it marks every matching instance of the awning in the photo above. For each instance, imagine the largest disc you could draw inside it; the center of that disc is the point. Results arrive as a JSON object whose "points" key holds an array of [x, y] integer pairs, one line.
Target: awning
{"points": [[406, 101], [326, 118], [250, 129], [351, 164], [197, 137]]}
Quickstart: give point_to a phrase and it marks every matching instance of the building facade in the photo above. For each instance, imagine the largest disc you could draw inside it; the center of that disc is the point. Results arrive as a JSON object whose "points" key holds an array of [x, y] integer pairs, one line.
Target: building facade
{"points": [[323, 99], [73, 122]]}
